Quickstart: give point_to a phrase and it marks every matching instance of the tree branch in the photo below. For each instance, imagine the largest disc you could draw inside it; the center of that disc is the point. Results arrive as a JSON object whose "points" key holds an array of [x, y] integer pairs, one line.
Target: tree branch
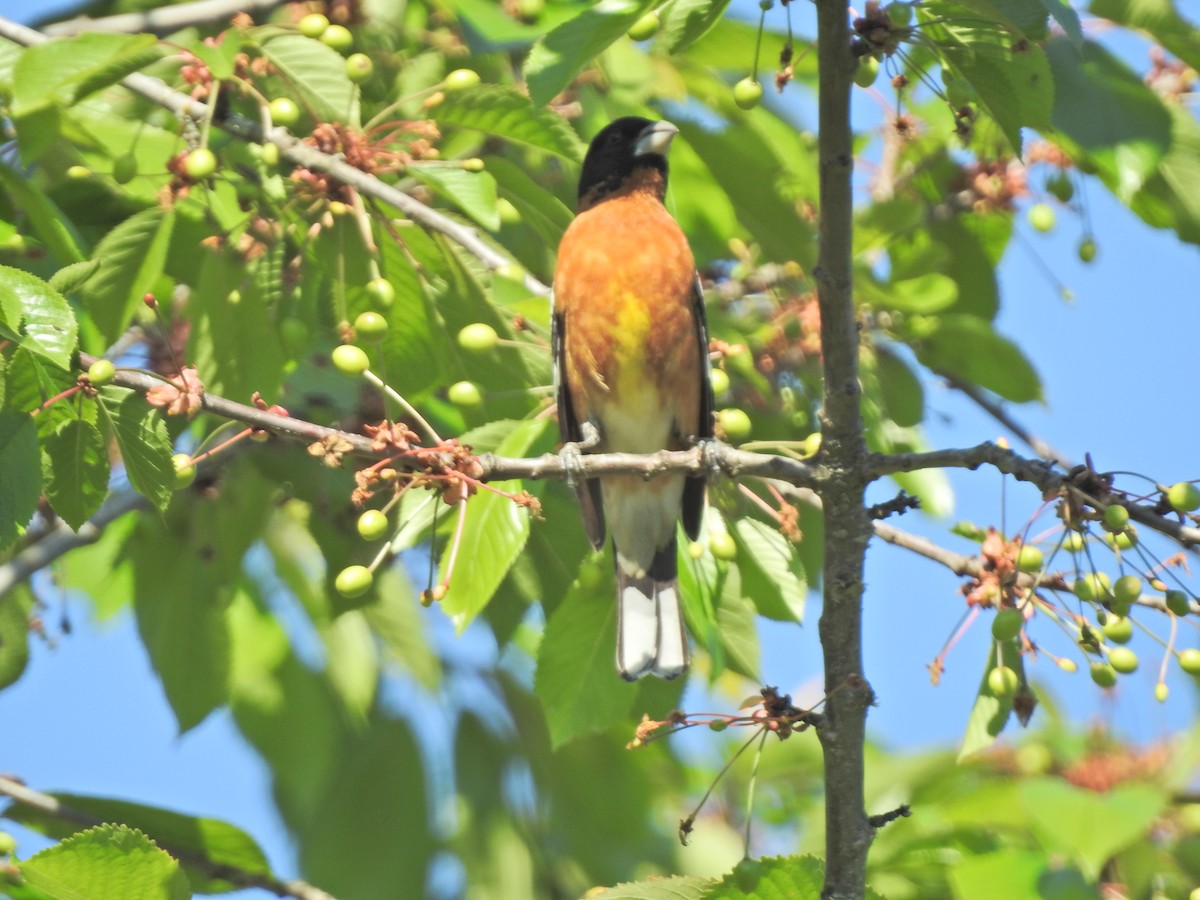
{"points": [[157, 91], [1001, 415], [162, 21], [847, 528], [48, 805], [60, 539]]}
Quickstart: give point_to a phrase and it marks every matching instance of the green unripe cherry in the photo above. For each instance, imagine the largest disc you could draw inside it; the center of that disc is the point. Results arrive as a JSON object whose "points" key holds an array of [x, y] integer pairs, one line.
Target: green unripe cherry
{"points": [[734, 424], [380, 290], [720, 381], [350, 360], [900, 14], [1003, 681], [200, 163], [747, 874], [1183, 496], [1116, 518], [747, 93], [478, 337], [867, 71], [1123, 660], [101, 372], [338, 37], [359, 67], [460, 80], [124, 168], [284, 111], [465, 394], [722, 545], [1189, 660], [1086, 250], [1127, 589], [1007, 624], [644, 28], [1030, 559], [372, 525], [1177, 602], [185, 470], [1103, 674], [313, 25], [370, 326], [1118, 629], [353, 581], [1092, 586], [1041, 216], [1073, 542]]}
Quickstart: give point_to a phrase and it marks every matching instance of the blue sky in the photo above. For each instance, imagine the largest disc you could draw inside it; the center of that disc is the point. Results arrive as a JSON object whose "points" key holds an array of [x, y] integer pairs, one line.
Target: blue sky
{"points": [[1118, 369]]}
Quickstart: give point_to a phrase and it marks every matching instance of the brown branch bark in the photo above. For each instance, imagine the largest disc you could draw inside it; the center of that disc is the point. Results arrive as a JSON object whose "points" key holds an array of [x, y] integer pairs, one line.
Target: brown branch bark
{"points": [[51, 806], [847, 527], [161, 21]]}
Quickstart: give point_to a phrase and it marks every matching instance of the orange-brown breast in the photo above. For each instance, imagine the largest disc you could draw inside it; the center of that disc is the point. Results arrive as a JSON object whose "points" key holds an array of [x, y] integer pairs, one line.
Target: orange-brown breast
{"points": [[624, 287]]}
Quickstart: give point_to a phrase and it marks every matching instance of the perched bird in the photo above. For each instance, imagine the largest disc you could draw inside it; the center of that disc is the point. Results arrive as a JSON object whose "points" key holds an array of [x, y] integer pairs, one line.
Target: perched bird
{"points": [[631, 362]]}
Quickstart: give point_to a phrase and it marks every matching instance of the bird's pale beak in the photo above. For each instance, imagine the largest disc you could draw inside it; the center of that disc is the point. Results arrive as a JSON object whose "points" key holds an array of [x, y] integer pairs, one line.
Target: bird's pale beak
{"points": [[655, 139]]}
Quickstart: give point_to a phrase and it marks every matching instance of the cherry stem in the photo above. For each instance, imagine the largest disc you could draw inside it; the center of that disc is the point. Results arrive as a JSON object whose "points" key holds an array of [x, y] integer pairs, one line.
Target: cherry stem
{"points": [[405, 405], [74, 389]]}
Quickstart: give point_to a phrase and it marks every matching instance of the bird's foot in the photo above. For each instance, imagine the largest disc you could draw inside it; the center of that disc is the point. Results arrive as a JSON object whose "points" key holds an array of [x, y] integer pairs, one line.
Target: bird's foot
{"points": [[572, 452], [710, 455]]}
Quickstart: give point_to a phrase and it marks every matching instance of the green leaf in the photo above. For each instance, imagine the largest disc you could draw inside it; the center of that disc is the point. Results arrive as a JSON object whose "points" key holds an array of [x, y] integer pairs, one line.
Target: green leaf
{"points": [[683, 22], [1089, 826], [144, 442], [186, 568], [557, 57], [66, 70], [1002, 874], [968, 348], [15, 607], [800, 877], [76, 470], [1009, 72], [368, 834], [1159, 19], [770, 218], [131, 257], [576, 678], [193, 838], [49, 222], [318, 72], [39, 316], [494, 533], [1067, 18], [1169, 198], [674, 887], [68, 278], [505, 112], [108, 862], [489, 28], [772, 574], [236, 346], [472, 192], [902, 394], [1128, 142], [990, 713], [540, 209]]}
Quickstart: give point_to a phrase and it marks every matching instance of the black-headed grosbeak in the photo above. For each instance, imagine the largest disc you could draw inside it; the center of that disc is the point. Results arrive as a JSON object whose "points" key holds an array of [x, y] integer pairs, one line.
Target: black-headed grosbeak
{"points": [[631, 363]]}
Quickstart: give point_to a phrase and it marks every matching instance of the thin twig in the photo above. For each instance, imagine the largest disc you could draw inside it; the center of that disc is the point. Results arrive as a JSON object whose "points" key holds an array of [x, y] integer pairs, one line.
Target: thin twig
{"points": [[1001, 415], [161, 21], [51, 806]]}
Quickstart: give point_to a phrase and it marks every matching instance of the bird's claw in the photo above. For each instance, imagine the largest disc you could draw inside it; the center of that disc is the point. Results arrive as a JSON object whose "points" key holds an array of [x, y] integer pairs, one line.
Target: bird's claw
{"points": [[572, 452]]}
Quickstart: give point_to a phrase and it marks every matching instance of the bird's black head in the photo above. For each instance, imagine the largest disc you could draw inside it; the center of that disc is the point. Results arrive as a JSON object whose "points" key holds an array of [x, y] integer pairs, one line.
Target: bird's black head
{"points": [[621, 149]]}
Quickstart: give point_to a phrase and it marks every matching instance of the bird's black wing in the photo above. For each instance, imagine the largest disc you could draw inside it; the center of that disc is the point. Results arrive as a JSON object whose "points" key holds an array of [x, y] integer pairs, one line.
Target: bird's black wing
{"points": [[587, 490], [693, 490]]}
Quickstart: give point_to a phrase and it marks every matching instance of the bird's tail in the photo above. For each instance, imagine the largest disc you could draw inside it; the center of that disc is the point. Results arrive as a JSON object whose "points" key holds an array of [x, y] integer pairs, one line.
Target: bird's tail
{"points": [[650, 632]]}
